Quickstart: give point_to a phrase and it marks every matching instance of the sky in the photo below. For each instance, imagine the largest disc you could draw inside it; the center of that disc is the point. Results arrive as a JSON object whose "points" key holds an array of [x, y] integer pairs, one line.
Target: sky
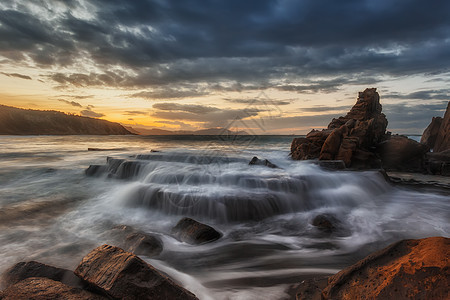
{"points": [[264, 66]]}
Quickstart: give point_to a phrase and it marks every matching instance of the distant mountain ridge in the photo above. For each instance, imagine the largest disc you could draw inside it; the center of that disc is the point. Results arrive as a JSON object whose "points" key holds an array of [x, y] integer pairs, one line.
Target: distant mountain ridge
{"points": [[208, 131], [17, 121]]}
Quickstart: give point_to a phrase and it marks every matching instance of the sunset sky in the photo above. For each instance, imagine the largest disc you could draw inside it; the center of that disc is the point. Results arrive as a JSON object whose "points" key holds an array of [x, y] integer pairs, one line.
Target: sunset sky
{"points": [[290, 65]]}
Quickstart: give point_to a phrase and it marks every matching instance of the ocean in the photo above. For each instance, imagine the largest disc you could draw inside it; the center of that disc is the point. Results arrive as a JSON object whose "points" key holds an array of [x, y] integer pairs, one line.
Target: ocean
{"points": [[52, 212]]}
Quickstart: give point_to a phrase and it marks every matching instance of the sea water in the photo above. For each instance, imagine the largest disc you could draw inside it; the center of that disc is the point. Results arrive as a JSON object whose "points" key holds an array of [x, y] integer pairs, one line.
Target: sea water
{"points": [[52, 212]]}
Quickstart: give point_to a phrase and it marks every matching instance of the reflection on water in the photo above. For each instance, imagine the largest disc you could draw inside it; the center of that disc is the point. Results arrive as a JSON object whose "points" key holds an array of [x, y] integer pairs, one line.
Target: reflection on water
{"points": [[52, 212]]}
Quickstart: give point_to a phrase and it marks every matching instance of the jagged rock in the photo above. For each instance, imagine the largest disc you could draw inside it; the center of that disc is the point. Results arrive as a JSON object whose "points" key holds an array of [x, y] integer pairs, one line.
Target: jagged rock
{"points": [[409, 269], [259, 162], [24, 270], [43, 288], [443, 137], [137, 242], [351, 138], [402, 153], [431, 132], [190, 231], [123, 275]]}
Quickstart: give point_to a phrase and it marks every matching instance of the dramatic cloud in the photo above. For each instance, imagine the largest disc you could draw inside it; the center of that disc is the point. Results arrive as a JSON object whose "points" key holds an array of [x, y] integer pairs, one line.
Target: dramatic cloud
{"points": [[135, 113], [88, 112], [169, 93], [442, 94], [73, 103], [258, 102], [16, 75]]}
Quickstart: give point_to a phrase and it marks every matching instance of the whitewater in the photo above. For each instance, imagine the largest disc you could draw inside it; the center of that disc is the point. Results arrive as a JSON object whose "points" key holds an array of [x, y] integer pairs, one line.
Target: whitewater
{"points": [[54, 211]]}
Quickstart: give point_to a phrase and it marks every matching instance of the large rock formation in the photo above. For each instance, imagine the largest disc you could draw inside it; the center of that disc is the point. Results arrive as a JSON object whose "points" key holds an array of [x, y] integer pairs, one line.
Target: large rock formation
{"points": [[409, 269], [437, 134], [351, 138], [123, 275]]}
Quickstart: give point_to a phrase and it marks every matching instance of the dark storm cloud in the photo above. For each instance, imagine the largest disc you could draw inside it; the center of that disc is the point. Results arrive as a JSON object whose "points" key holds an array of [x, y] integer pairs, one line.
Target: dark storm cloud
{"points": [[16, 75], [73, 103], [166, 42]]}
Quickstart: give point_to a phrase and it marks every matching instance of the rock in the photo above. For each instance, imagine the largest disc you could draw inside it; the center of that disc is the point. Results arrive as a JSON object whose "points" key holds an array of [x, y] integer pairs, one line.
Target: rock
{"points": [[137, 242], [325, 222], [431, 132], [331, 164], [351, 139], [403, 154], [311, 289], [259, 162], [44, 288], [123, 275], [443, 138], [438, 163], [409, 269], [95, 170], [24, 270], [190, 231]]}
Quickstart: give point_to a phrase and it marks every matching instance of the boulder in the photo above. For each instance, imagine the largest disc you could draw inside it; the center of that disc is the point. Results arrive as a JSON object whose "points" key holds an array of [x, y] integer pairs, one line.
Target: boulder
{"points": [[409, 269], [24, 270], [438, 163], [351, 139], [259, 162], [137, 242], [443, 137], [123, 275], [325, 222], [192, 232], [403, 154], [43, 288]]}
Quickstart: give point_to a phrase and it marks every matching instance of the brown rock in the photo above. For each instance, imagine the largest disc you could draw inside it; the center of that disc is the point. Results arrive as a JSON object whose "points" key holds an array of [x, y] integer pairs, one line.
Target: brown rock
{"points": [[361, 129], [24, 270], [431, 132], [123, 275], [443, 138], [409, 269], [402, 153], [311, 289], [190, 231], [35, 288], [137, 242]]}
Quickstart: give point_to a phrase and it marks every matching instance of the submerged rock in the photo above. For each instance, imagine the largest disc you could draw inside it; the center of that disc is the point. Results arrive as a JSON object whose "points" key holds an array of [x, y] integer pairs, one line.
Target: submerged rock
{"points": [[123, 275], [325, 222], [137, 242], [24, 270], [44, 288], [350, 138], [190, 231], [259, 162], [409, 269]]}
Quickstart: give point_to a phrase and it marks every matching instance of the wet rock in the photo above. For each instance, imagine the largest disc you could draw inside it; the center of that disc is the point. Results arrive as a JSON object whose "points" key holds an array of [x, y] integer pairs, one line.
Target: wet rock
{"points": [[259, 162], [325, 222], [403, 154], [24, 270], [137, 242], [123, 275], [351, 138], [311, 289], [44, 288], [95, 170], [190, 231], [409, 269], [331, 164], [438, 163]]}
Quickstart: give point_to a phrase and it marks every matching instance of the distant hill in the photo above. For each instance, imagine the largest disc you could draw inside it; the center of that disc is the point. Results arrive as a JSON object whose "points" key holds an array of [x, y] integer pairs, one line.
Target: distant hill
{"points": [[209, 131], [16, 121]]}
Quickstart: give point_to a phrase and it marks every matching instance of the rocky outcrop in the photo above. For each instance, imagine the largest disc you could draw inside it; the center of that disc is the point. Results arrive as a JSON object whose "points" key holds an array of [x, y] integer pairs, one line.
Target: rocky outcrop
{"points": [[44, 288], [123, 275], [402, 154], [430, 133], [24, 270], [438, 163], [409, 269], [351, 138], [443, 137], [192, 232]]}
